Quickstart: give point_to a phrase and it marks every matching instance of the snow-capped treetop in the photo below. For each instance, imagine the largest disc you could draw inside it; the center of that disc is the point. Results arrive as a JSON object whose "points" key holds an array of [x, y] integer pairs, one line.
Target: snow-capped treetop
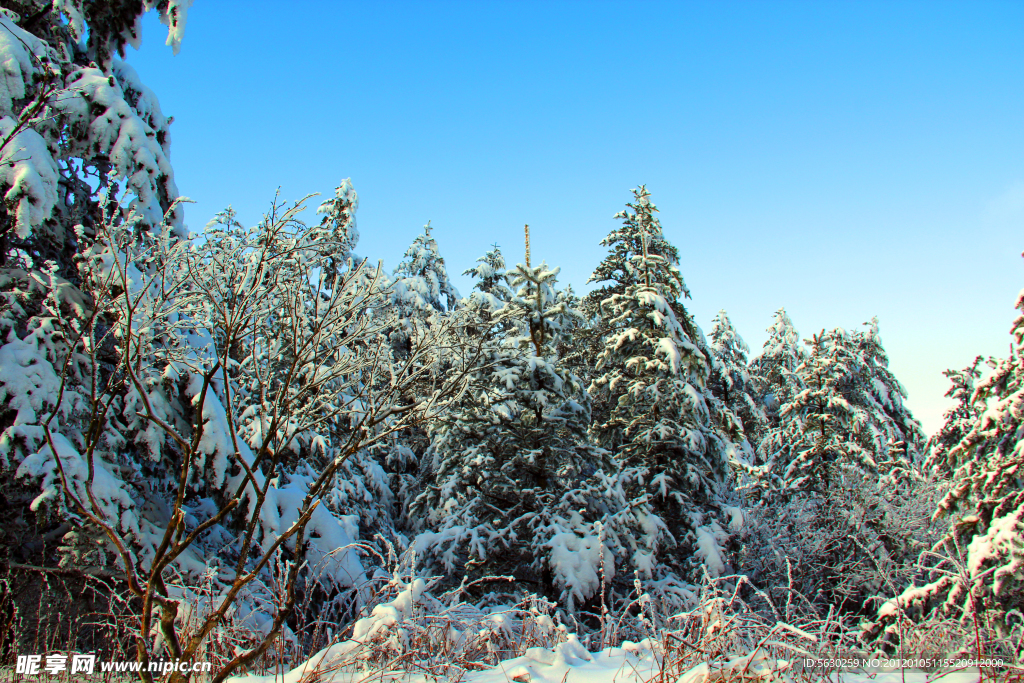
{"points": [[959, 420], [882, 396], [782, 349], [820, 422], [537, 302], [492, 287], [421, 279], [731, 378], [727, 344], [639, 254], [845, 407], [338, 225], [780, 356]]}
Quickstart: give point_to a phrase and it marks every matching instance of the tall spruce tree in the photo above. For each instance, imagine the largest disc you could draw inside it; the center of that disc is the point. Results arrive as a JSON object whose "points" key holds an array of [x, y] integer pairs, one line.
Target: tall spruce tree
{"points": [[421, 280], [848, 411], [732, 381], [779, 358], [819, 426], [892, 432], [943, 456], [982, 582], [516, 487], [653, 378]]}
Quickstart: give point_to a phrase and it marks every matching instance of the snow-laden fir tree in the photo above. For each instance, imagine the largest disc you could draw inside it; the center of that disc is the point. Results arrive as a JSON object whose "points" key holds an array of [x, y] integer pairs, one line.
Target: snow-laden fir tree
{"points": [[77, 127], [422, 297], [988, 491], [492, 280], [421, 281], [958, 421], [731, 378], [653, 378], [492, 290], [819, 426], [781, 354], [977, 571], [338, 226], [891, 432], [516, 488], [848, 412], [837, 493]]}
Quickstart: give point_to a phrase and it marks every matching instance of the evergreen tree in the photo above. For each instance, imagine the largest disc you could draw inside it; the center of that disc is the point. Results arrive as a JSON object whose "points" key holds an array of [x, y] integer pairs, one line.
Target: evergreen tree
{"points": [[617, 271], [731, 379], [338, 226], [988, 486], [982, 582], [819, 425], [892, 433], [849, 411], [653, 378], [779, 358], [79, 132], [421, 292], [491, 293], [958, 422], [516, 486], [421, 280]]}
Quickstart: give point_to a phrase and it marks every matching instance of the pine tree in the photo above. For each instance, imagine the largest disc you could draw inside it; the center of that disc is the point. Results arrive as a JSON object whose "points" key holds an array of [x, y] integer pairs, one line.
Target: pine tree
{"points": [[421, 292], [421, 280], [893, 433], [780, 356], [836, 472], [493, 281], [491, 293], [338, 226], [617, 271], [653, 377], [958, 422], [731, 379], [820, 425], [849, 411], [982, 582], [516, 487], [79, 133]]}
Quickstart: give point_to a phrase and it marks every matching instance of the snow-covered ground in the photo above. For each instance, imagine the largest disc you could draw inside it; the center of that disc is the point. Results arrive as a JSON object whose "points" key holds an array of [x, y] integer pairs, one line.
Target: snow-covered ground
{"points": [[571, 663]]}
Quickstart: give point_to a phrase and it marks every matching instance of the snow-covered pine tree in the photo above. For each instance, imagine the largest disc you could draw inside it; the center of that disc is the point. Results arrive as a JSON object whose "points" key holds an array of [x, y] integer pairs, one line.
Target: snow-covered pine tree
{"points": [[76, 127], [492, 290], [780, 356], [617, 272], [959, 420], [732, 381], [849, 411], [421, 281], [977, 570], [836, 455], [653, 378], [493, 281], [422, 297], [819, 425], [338, 226], [892, 432], [517, 488]]}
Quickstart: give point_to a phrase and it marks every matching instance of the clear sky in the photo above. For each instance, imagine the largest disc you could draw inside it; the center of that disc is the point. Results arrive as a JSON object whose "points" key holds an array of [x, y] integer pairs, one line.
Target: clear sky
{"points": [[841, 159]]}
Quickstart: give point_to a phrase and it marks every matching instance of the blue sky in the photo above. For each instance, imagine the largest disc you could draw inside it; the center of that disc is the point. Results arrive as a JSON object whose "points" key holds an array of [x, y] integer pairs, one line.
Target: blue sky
{"points": [[840, 159]]}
